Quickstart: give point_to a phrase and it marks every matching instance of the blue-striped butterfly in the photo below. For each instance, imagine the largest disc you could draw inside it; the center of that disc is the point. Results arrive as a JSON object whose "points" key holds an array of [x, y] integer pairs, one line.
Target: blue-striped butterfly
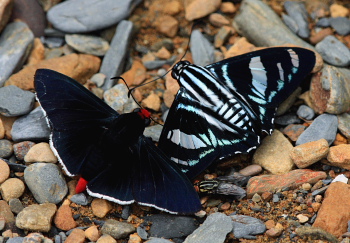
{"points": [[221, 109], [108, 149]]}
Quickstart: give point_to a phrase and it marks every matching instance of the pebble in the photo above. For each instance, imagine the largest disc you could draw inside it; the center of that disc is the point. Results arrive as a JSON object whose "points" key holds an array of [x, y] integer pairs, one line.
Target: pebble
{"points": [[341, 178], [22, 104], [5, 13], [167, 25], [80, 199], [302, 218], [269, 22], [334, 214], [198, 9], [21, 149], [16, 205], [273, 154], [309, 153], [32, 126], [329, 91], [287, 119], [344, 124], [305, 112], [293, 131], [340, 54], [6, 148], [36, 217], [275, 231], [136, 74], [222, 36], [5, 212], [12, 188], [214, 229], [293, 179], [290, 22], [297, 11], [114, 60], [152, 102], [158, 240], [77, 17], [251, 170], [76, 236], [46, 182], [256, 197], [92, 233], [324, 126], [316, 234], [218, 20], [341, 25], [40, 152], [338, 10], [4, 171], [118, 230], [88, 44], [247, 227], [171, 226], [117, 98], [153, 132], [15, 42], [101, 207], [98, 79], [64, 218], [202, 51], [228, 8], [320, 35], [339, 156], [106, 239]]}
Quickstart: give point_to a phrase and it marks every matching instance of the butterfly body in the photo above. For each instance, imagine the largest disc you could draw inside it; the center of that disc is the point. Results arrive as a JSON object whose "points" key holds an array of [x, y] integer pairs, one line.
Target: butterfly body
{"points": [[115, 161], [221, 109]]}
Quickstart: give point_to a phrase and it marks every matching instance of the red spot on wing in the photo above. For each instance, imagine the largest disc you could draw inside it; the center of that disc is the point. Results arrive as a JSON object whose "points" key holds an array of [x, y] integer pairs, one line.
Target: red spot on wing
{"points": [[144, 113], [81, 186]]}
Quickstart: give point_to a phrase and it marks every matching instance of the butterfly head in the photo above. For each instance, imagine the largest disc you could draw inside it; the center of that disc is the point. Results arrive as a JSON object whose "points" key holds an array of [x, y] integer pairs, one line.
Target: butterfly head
{"points": [[178, 68], [144, 114]]}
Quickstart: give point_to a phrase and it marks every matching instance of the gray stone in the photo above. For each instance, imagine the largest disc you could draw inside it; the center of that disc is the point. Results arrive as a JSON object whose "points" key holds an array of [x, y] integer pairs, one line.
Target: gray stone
{"points": [[46, 182], [158, 240], [269, 24], [298, 12], [214, 229], [88, 44], [333, 51], [98, 79], [287, 119], [6, 148], [153, 132], [150, 65], [247, 227], [323, 22], [324, 126], [305, 112], [116, 229], [32, 126], [117, 98], [171, 226], [341, 25], [114, 60], [80, 199], [344, 124], [16, 42], [15, 240], [16, 205], [142, 233], [202, 50], [292, 25], [15, 101], [75, 16]]}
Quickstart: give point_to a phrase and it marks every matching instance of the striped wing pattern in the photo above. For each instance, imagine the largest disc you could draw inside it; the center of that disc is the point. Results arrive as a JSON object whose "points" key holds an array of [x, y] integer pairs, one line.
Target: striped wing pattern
{"points": [[221, 109]]}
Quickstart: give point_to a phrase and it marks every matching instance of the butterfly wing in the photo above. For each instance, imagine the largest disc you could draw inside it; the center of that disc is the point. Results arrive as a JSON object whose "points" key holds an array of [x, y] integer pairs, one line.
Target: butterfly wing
{"points": [[146, 176], [76, 116], [266, 77], [194, 136]]}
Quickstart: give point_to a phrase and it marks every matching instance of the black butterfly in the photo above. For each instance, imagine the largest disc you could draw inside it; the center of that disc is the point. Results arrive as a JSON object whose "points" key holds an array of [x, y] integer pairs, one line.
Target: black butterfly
{"points": [[221, 109], [108, 150]]}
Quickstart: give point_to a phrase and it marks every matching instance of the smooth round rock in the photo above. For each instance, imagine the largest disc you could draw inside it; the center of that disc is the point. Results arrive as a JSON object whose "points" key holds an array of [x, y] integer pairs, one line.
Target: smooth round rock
{"points": [[6, 148], [4, 171], [341, 25], [340, 54], [46, 182], [203, 50], [116, 229], [12, 188], [40, 152], [88, 44], [77, 16], [21, 149], [16, 205], [15, 101]]}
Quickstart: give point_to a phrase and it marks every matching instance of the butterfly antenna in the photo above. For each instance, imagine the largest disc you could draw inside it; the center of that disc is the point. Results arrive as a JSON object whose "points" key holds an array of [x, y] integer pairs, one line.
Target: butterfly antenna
{"points": [[129, 93]]}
